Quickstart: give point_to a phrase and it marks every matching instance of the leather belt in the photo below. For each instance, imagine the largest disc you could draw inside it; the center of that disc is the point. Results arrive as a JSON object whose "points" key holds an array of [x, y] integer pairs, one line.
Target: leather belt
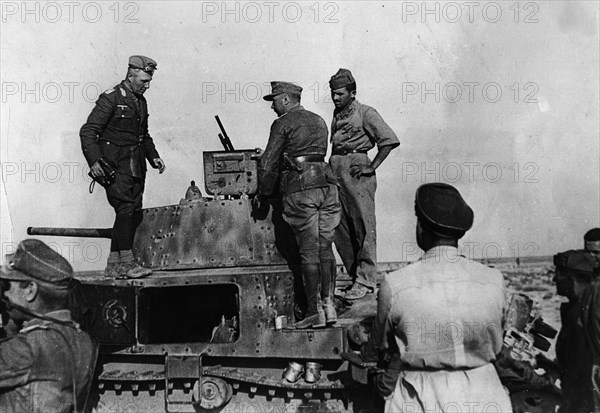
{"points": [[343, 152], [309, 158]]}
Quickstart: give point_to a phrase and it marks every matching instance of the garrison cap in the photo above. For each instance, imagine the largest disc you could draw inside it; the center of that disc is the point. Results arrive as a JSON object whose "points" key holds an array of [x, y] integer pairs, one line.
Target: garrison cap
{"points": [[144, 63], [35, 261], [342, 78], [578, 262], [442, 210], [278, 88]]}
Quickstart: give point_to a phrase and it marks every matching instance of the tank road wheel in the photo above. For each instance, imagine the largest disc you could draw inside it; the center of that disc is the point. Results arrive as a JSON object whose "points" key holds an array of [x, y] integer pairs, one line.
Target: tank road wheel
{"points": [[212, 394]]}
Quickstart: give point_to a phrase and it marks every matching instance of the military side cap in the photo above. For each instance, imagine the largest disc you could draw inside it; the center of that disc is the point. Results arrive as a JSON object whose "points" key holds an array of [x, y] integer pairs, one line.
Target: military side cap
{"points": [[143, 63], [442, 210], [342, 78], [35, 261], [578, 262], [277, 88]]}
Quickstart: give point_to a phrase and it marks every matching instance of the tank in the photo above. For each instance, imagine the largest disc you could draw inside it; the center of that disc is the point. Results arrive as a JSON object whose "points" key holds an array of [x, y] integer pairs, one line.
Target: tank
{"points": [[207, 330]]}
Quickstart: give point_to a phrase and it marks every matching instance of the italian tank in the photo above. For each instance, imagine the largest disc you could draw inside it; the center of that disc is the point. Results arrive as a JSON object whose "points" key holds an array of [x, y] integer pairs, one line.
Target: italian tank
{"points": [[206, 331]]}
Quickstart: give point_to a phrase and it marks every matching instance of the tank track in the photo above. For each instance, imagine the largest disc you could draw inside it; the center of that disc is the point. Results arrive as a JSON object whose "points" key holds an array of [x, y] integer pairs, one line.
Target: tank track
{"points": [[118, 391]]}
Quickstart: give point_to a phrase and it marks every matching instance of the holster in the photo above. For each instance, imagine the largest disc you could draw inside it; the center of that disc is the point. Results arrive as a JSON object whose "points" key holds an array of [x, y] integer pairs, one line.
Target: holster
{"points": [[313, 175]]}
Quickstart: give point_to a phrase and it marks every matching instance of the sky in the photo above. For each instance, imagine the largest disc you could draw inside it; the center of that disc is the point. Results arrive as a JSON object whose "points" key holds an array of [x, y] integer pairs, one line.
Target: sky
{"points": [[499, 99]]}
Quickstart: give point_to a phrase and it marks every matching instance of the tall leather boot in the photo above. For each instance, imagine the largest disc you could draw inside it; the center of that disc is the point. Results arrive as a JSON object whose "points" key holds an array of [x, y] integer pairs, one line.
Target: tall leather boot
{"points": [[328, 275], [315, 317]]}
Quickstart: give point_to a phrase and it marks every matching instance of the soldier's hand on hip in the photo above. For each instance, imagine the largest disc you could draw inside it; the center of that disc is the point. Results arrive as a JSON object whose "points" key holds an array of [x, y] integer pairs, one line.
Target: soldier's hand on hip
{"points": [[159, 164], [361, 170], [96, 170]]}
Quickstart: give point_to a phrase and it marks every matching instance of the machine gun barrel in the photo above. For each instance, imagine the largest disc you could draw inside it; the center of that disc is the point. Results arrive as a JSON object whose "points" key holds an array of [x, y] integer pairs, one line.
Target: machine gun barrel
{"points": [[71, 232], [225, 141]]}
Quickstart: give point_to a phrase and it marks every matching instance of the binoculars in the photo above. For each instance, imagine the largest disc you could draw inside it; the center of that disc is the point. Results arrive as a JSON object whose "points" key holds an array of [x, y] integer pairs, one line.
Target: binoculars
{"points": [[109, 174]]}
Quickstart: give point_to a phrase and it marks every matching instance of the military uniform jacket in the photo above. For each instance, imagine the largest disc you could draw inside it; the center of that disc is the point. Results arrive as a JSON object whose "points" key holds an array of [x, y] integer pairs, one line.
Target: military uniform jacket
{"points": [[359, 127], [297, 132], [46, 368], [117, 129]]}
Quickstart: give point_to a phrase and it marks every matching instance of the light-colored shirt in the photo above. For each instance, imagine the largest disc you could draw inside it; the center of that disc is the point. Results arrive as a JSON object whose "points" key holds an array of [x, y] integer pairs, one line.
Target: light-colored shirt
{"points": [[445, 313], [359, 127]]}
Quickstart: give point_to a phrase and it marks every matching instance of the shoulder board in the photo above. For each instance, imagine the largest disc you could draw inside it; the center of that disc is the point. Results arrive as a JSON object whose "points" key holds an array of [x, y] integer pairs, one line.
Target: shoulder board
{"points": [[109, 91], [29, 329]]}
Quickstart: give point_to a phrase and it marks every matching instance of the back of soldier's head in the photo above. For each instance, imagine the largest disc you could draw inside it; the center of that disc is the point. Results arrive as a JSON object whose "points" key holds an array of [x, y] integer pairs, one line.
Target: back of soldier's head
{"points": [[591, 241]]}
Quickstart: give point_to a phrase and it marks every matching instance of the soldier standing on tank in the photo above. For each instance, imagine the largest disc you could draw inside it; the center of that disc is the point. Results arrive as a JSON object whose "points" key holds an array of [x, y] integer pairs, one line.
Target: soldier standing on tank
{"points": [[295, 157], [355, 129], [117, 132], [48, 365]]}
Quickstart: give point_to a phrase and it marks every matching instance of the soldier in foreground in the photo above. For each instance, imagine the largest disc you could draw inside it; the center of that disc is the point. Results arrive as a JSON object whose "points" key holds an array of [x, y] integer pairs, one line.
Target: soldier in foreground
{"points": [[444, 312], [48, 365], [295, 157], [356, 129], [575, 272], [590, 321], [116, 137]]}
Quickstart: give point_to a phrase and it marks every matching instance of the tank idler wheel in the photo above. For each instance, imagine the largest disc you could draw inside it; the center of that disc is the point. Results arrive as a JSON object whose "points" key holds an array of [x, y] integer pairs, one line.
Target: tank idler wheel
{"points": [[212, 395]]}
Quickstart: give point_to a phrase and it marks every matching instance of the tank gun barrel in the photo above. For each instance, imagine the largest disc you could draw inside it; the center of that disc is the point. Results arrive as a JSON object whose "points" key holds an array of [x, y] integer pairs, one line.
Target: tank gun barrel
{"points": [[71, 232]]}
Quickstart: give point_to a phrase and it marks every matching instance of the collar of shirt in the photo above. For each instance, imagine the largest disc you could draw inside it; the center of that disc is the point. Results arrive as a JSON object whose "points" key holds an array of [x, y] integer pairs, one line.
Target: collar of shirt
{"points": [[443, 251], [61, 315], [347, 111]]}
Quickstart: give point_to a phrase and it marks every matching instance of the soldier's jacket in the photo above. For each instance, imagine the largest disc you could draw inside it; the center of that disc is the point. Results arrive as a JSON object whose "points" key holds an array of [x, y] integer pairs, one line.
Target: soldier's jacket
{"points": [[298, 132], [46, 368], [575, 361], [359, 127], [117, 129]]}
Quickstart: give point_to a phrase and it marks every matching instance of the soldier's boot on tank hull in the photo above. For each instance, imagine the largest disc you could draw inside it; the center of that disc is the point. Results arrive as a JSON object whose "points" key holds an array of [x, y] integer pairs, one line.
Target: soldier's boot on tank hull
{"points": [[315, 316], [130, 268], [113, 265], [328, 273]]}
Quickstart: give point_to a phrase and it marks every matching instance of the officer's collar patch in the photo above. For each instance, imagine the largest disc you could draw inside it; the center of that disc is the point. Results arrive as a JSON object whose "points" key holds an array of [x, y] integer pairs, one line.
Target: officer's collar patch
{"points": [[123, 92]]}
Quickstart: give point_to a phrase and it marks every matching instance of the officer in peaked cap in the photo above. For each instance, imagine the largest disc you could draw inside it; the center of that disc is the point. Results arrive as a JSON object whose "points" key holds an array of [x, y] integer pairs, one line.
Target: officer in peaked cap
{"points": [[116, 134], [278, 88], [576, 273], [143, 63], [48, 365], [442, 289], [355, 130], [295, 158]]}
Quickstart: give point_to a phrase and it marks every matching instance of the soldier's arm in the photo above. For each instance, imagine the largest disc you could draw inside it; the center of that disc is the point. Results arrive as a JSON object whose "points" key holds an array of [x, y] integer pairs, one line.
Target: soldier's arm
{"points": [[93, 128], [150, 151], [268, 170], [384, 137], [381, 330], [16, 359]]}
